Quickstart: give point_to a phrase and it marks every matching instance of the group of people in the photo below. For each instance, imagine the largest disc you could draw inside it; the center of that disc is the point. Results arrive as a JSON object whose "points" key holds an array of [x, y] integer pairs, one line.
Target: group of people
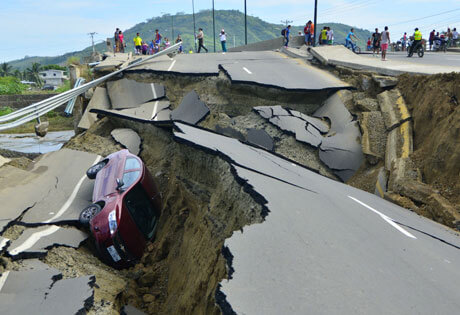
{"points": [[448, 38], [379, 42], [326, 36], [158, 43]]}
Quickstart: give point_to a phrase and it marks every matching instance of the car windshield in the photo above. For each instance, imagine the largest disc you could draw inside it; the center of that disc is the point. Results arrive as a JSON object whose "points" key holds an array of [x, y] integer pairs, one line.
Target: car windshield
{"points": [[141, 210], [131, 164], [129, 178]]}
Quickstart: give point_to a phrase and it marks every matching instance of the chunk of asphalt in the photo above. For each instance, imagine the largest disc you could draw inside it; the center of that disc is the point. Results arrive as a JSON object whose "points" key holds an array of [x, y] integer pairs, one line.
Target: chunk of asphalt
{"points": [[260, 138], [146, 111], [341, 149], [128, 138], [100, 100], [36, 241], [230, 132], [40, 289], [127, 93], [191, 110], [306, 129]]}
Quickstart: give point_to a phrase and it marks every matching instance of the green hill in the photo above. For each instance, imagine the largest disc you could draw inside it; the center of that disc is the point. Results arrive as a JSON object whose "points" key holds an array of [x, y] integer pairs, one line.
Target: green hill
{"points": [[231, 20]]}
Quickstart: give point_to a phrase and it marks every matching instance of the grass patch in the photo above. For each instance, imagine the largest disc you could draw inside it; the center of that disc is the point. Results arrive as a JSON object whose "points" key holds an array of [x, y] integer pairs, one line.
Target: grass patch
{"points": [[11, 85], [5, 110], [57, 122]]}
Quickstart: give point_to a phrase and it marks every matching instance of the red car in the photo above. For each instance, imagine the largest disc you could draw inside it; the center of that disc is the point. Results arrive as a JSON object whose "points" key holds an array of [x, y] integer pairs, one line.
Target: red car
{"points": [[125, 210]]}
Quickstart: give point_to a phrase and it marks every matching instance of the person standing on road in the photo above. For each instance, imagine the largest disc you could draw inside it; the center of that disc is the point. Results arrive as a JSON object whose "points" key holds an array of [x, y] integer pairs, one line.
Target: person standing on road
{"points": [[404, 42], [307, 32], [223, 40], [330, 36], [417, 41], [116, 39], [179, 40], [431, 38], [385, 42], [454, 37], [287, 30], [376, 42], [323, 36], [121, 38], [138, 44], [157, 38], [200, 37]]}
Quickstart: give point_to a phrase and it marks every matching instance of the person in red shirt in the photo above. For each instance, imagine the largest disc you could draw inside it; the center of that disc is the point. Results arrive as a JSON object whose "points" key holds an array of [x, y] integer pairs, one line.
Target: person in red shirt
{"points": [[122, 42], [307, 32]]}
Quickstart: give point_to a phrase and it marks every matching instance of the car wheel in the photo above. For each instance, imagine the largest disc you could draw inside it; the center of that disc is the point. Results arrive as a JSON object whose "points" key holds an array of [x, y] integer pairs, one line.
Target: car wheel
{"points": [[93, 170], [88, 213]]}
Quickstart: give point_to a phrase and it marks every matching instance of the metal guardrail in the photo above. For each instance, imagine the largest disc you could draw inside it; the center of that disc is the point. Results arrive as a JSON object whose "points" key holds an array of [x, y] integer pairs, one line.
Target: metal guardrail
{"points": [[70, 105], [34, 111]]}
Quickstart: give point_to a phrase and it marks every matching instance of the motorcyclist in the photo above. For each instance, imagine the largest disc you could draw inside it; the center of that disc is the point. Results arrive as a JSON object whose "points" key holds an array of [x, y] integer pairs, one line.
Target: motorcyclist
{"points": [[417, 41]]}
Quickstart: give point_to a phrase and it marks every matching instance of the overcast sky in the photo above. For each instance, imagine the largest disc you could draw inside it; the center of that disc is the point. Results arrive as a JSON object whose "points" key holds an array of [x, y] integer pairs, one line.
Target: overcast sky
{"points": [[49, 28]]}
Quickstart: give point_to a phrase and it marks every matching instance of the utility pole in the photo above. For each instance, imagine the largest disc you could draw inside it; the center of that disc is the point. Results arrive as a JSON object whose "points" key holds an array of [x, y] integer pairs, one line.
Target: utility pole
{"points": [[286, 22], [172, 27], [245, 23], [316, 15], [194, 26], [213, 26], [92, 40]]}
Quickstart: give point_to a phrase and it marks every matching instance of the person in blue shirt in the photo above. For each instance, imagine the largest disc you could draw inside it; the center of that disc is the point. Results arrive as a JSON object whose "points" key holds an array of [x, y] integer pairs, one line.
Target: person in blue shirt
{"points": [[286, 35], [349, 40]]}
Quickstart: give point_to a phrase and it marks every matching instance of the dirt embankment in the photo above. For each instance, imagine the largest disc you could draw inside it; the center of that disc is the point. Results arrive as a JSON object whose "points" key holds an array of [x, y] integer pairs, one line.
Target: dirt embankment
{"points": [[434, 105], [202, 204]]}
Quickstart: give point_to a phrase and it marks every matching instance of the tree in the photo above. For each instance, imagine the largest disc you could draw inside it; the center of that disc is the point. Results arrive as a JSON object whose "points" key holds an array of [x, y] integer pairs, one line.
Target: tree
{"points": [[33, 75], [18, 74], [5, 69]]}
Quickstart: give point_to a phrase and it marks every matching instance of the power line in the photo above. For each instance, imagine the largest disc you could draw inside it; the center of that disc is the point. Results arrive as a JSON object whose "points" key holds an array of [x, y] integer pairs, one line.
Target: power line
{"points": [[425, 17]]}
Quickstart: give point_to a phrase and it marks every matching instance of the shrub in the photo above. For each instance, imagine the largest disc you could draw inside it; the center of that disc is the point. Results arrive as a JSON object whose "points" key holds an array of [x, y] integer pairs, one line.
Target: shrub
{"points": [[11, 85], [5, 110], [51, 114], [74, 60]]}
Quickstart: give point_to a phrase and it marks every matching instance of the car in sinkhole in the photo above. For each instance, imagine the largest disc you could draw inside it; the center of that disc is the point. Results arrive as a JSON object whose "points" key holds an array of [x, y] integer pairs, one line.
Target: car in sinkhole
{"points": [[125, 210]]}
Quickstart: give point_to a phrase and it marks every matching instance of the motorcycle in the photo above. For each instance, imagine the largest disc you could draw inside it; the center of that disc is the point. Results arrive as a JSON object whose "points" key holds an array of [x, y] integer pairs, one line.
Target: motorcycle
{"points": [[418, 49]]}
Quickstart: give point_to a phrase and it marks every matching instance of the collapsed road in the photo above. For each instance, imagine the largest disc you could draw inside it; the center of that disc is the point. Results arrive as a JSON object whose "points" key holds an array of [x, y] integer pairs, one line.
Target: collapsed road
{"points": [[255, 217]]}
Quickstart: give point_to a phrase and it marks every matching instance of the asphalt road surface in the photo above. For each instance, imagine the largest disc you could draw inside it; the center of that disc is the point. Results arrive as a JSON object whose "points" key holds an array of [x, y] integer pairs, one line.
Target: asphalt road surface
{"points": [[430, 58], [266, 68], [328, 248]]}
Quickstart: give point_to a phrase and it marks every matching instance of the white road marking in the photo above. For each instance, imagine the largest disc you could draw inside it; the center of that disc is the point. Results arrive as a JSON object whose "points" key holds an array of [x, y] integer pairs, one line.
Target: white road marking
{"points": [[69, 201], [34, 239], [3, 279], [153, 90], [386, 218], [246, 69], [155, 110], [172, 65]]}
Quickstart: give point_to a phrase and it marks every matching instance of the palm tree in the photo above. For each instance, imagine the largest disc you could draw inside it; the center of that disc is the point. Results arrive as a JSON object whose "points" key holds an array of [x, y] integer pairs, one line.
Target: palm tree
{"points": [[5, 69], [18, 74], [33, 73]]}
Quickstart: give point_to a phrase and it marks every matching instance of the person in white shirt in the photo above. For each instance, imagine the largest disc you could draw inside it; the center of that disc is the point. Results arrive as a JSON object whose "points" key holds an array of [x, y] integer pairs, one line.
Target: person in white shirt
{"points": [[330, 36], [200, 37], [223, 40], [454, 37]]}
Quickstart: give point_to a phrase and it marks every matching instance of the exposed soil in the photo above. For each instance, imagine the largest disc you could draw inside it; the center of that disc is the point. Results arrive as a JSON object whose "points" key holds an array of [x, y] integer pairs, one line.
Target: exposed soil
{"points": [[434, 105]]}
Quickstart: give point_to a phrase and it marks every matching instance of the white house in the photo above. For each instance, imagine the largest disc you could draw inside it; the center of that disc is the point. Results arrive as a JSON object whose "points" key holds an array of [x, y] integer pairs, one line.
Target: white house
{"points": [[53, 77]]}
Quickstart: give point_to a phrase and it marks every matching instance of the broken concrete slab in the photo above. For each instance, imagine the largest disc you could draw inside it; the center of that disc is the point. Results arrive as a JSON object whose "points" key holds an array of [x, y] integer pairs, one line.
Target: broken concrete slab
{"points": [[148, 111], [393, 108], [127, 93], [322, 219], [36, 241], [341, 149], [403, 169], [99, 100], [385, 81], [374, 136], [112, 62], [230, 132], [128, 138], [305, 128], [54, 192], [191, 110], [40, 289], [399, 144], [4, 160], [3, 242], [260, 138], [367, 104]]}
